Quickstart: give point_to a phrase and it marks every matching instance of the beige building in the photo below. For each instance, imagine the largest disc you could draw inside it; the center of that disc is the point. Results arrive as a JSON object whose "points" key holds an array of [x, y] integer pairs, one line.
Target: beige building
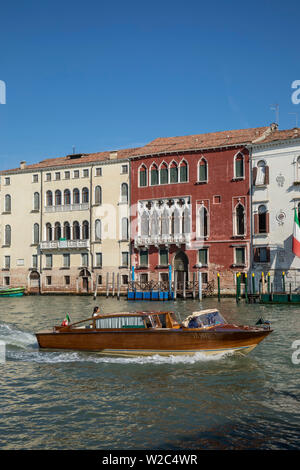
{"points": [[65, 223]]}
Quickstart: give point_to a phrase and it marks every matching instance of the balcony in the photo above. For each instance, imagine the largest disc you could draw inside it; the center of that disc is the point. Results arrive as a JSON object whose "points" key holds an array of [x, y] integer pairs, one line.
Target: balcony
{"points": [[64, 244], [176, 239], [68, 207]]}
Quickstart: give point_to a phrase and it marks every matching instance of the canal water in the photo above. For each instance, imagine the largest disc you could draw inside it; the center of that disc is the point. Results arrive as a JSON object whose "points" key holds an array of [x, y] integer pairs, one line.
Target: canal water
{"points": [[79, 400]]}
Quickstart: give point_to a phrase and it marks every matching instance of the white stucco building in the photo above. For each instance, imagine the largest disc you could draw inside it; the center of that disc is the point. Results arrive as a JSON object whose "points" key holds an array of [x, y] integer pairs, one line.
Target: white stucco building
{"points": [[275, 166]]}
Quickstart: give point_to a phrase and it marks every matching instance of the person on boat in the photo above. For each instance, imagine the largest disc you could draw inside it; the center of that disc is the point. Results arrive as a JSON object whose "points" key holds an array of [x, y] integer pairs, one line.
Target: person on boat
{"points": [[195, 323], [96, 312]]}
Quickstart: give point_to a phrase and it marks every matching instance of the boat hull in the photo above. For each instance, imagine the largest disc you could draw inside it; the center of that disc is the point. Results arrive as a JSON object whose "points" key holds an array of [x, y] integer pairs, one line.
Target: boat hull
{"points": [[151, 342], [13, 292]]}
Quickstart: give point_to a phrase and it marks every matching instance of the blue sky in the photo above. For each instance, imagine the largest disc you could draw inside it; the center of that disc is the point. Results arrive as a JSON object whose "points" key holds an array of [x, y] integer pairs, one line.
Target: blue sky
{"points": [[107, 75]]}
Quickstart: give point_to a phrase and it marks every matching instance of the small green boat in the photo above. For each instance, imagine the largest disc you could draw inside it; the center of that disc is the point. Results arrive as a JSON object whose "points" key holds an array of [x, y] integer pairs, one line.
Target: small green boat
{"points": [[12, 291]]}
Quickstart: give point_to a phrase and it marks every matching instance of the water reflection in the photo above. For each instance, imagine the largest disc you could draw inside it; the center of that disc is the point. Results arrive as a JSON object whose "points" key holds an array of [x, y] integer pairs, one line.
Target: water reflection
{"points": [[77, 400]]}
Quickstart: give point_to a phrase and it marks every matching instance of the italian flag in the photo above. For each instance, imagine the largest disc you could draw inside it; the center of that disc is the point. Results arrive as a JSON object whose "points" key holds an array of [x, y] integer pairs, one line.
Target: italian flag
{"points": [[296, 235]]}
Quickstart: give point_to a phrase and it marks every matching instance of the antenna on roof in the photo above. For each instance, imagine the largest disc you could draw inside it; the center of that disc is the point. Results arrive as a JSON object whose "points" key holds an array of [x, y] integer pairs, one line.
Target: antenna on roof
{"points": [[296, 118], [276, 109], [73, 149]]}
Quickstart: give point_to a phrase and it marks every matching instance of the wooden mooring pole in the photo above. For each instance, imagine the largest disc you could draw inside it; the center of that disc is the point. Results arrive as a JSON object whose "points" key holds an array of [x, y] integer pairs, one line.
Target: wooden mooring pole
{"points": [[184, 285], [175, 285], [107, 284]]}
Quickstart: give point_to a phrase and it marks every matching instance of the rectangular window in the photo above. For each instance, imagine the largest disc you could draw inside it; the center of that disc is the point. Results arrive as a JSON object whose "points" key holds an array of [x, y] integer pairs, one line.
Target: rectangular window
{"points": [[76, 174], [67, 280], [48, 280], [6, 262], [164, 277], [125, 258], [67, 175], [48, 176], [6, 280], [163, 257], [217, 199], [124, 169], [85, 173], [57, 176], [7, 181], [48, 261], [35, 178], [204, 278], [240, 256], [144, 258], [84, 259], [203, 252], [99, 280], [144, 278], [98, 171], [124, 279], [66, 260], [34, 261], [99, 260]]}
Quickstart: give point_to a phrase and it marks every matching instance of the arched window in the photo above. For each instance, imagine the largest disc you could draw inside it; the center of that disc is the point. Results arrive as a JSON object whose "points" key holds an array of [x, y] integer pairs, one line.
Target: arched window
{"points": [[175, 222], [183, 171], [124, 192], [239, 165], [240, 219], [186, 220], [297, 176], [173, 172], [67, 231], [154, 174], [142, 176], [202, 171], [36, 201], [124, 228], [7, 235], [49, 198], [58, 197], [98, 195], [202, 222], [57, 231], [67, 197], [85, 230], [261, 173], [165, 222], [262, 219], [85, 195], [48, 232], [76, 196], [76, 230], [98, 230], [145, 224], [7, 202], [36, 233], [154, 228], [164, 173]]}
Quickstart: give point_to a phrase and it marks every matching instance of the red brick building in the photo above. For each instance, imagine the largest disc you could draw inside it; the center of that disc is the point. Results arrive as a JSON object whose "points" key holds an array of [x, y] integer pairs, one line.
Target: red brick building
{"points": [[190, 200]]}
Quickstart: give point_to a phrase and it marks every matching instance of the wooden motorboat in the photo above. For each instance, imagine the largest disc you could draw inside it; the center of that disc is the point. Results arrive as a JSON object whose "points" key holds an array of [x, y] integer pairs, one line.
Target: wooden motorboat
{"points": [[149, 333]]}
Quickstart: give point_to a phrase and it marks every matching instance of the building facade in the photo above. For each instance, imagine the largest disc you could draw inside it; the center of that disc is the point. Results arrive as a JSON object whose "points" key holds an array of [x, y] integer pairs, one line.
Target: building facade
{"points": [[65, 223], [275, 165], [190, 207]]}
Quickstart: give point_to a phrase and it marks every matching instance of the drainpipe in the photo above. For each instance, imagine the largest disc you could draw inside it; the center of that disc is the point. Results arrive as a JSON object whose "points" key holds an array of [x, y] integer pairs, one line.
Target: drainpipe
{"points": [[251, 191]]}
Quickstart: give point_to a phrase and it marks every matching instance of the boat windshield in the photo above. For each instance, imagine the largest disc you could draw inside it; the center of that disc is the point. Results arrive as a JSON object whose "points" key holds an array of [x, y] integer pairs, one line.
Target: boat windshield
{"points": [[204, 319], [212, 318]]}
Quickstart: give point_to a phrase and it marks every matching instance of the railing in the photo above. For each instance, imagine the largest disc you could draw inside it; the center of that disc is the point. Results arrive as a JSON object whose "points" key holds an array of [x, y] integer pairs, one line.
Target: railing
{"points": [[145, 240], [68, 207], [62, 244]]}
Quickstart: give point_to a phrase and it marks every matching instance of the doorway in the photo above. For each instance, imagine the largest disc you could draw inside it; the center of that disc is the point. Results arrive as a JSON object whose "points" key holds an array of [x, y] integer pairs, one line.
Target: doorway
{"points": [[181, 266]]}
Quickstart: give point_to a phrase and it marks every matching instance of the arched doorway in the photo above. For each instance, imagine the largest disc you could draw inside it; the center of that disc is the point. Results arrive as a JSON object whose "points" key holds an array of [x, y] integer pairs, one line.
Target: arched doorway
{"points": [[34, 281], [181, 266], [85, 275]]}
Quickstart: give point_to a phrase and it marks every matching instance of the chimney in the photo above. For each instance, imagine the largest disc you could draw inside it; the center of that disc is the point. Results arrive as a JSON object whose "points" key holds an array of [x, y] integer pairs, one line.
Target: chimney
{"points": [[113, 155], [22, 165]]}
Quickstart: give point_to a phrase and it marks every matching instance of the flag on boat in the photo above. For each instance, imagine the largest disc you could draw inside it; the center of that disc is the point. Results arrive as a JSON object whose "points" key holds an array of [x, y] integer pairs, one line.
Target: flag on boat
{"points": [[296, 235], [66, 321]]}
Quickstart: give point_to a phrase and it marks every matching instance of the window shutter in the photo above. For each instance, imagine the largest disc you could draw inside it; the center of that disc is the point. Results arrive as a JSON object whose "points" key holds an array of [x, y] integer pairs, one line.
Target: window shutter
{"points": [[267, 222], [268, 254], [254, 174], [256, 225], [267, 175]]}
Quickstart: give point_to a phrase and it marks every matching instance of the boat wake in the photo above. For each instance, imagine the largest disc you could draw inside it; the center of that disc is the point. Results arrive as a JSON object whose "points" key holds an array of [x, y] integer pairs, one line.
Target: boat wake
{"points": [[22, 346]]}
